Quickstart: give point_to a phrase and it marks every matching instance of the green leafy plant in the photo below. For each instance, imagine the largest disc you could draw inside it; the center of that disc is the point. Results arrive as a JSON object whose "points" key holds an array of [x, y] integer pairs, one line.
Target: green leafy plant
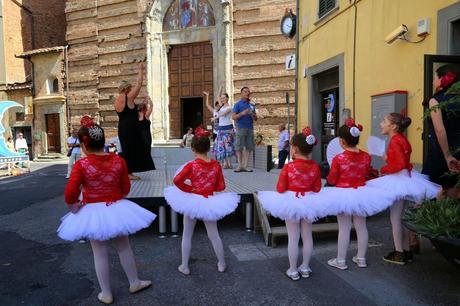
{"points": [[433, 219]]}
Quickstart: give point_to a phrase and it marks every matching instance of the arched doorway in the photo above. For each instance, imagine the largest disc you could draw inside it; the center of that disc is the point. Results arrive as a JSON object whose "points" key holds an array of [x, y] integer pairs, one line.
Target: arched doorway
{"points": [[188, 51]]}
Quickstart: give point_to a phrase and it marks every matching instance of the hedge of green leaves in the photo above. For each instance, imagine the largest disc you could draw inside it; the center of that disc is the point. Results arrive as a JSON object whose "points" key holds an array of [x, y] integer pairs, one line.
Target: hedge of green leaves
{"points": [[433, 219]]}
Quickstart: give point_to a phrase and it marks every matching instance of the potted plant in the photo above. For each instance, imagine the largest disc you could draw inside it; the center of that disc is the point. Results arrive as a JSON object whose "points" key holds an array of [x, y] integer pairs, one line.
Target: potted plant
{"points": [[439, 221]]}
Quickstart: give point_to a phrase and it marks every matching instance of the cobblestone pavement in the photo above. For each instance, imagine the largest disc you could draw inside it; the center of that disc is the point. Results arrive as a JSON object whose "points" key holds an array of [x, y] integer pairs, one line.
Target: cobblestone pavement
{"points": [[38, 268]]}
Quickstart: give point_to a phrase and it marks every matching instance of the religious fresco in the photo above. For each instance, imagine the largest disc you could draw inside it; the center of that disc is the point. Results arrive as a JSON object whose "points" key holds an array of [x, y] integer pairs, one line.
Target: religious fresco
{"points": [[184, 14]]}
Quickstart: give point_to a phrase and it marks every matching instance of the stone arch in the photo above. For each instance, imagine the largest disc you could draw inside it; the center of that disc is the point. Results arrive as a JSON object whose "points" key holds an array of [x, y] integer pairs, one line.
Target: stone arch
{"points": [[158, 45]]}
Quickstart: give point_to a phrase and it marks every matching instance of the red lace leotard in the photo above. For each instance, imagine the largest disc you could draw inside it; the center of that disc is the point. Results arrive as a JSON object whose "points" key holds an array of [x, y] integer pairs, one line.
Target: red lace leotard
{"points": [[398, 155], [104, 178], [349, 169], [205, 177], [300, 176]]}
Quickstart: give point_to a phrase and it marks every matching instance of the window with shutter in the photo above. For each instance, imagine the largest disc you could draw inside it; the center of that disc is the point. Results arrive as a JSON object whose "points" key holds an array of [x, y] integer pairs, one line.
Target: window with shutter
{"points": [[325, 6]]}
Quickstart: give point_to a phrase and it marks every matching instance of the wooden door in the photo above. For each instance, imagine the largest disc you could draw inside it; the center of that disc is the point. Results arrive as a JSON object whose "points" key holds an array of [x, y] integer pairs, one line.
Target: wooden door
{"points": [[190, 73], [53, 133]]}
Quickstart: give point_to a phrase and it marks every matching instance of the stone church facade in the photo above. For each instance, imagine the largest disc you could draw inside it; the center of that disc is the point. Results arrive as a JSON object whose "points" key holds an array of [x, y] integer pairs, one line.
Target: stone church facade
{"points": [[190, 46]]}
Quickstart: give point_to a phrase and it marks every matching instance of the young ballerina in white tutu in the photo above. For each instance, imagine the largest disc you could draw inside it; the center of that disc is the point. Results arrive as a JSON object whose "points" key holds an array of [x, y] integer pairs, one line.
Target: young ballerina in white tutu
{"points": [[351, 200], [399, 179], [193, 196], [102, 214], [296, 201]]}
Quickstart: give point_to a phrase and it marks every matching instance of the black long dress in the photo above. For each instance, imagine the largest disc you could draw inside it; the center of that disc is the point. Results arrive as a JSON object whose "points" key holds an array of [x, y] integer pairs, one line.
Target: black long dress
{"points": [[435, 165], [130, 136], [146, 155]]}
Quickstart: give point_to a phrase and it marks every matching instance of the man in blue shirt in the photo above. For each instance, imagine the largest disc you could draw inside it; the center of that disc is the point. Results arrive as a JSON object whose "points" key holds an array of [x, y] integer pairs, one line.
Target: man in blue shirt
{"points": [[244, 114]]}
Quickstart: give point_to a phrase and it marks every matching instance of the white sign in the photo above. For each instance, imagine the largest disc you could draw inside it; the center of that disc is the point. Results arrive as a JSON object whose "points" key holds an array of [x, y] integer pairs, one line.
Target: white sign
{"points": [[290, 62]]}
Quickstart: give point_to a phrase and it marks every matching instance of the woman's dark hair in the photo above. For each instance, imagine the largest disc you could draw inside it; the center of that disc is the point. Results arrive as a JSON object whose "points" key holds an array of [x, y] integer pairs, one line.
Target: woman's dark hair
{"points": [[226, 95], [201, 144], [443, 70], [350, 140], [93, 137], [402, 122], [299, 140], [188, 128]]}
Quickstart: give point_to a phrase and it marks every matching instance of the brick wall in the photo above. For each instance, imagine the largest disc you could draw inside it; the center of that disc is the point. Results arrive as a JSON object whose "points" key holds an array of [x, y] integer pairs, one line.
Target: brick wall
{"points": [[106, 40], [48, 30], [259, 61]]}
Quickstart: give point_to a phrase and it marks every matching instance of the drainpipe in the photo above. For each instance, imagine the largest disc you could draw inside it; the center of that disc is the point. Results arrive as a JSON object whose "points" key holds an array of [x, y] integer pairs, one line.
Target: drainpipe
{"points": [[354, 58], [297, 52], [66, 68]]}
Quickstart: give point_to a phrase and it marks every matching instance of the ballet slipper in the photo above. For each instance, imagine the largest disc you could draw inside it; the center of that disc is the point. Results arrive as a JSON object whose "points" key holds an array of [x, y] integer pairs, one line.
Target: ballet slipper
{"points": [[105, 299], [141, 285], [183, 270], [221, 267]]}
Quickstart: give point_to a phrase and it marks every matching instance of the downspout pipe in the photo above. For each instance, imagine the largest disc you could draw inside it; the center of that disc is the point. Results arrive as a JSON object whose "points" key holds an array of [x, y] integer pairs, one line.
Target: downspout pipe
{"points": [[66, 68], [354, 57], [297, 53]]}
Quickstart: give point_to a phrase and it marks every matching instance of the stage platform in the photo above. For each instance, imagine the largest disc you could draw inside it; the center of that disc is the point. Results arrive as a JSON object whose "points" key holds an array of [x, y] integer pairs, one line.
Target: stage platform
{"points": [[148, 192], [152, 183]]}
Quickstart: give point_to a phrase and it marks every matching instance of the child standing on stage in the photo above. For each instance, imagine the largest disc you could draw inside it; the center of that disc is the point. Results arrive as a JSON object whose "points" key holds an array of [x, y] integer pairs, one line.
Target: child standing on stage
{"points": [[102, 214], [296, 201], [400, 179], [351, 200], [193, 196]]}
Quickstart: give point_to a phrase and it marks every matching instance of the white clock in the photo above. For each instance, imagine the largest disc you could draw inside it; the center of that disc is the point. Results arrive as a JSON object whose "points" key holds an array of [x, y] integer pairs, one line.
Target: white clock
{"points": [[288, 25]]}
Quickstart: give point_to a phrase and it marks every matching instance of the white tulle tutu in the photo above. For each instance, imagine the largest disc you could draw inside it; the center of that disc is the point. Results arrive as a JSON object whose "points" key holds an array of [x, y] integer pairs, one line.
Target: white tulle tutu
{"points": [[195, 206], [286, 206], [414, 187], [362, 201], [97, 221]]}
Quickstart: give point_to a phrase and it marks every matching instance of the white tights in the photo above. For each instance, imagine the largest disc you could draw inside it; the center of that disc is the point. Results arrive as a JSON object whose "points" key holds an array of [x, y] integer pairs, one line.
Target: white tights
{"points": [[295, 230], [344, 235], [213, 235], [400, 232], [101, 262]]}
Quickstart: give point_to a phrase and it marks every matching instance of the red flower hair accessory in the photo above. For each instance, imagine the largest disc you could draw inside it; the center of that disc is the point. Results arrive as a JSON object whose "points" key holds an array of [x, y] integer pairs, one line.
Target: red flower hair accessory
{"points": [[448, 79], [95, 131], [355, 129], [309, 137], [200, 132], [86, 121]]}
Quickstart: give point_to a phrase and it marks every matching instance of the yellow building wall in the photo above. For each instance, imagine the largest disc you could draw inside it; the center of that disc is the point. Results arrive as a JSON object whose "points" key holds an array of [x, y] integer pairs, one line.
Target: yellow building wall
{"points": [[380, 67]]}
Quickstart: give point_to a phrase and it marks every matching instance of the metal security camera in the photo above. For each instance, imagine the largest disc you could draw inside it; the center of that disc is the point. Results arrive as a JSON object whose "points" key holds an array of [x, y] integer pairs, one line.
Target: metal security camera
{"points": [[396, 33]]}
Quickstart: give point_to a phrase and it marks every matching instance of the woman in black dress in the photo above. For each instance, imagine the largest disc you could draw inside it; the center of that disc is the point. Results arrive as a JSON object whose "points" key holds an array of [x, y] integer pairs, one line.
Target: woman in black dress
{"points": [[443, 131], [145, 110], [129, 132]]}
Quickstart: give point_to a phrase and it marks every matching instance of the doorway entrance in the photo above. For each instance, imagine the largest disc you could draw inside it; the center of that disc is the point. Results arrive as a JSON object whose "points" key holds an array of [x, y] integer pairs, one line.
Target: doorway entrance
{"points": [[192, 113], [325, 111], [53, 133], [26, 131], [432, 63], [330, 116], [190, 73]]}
